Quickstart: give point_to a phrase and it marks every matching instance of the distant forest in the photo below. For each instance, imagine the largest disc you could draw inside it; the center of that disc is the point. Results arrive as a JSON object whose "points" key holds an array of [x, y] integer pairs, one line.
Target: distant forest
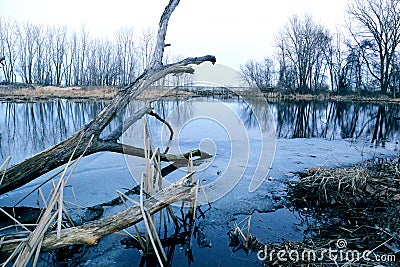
{"points": [[53, 55], [309, 58]]}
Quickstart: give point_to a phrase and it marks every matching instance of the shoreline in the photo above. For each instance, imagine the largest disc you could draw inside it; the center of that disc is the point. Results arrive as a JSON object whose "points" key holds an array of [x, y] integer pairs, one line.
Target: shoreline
{"points": [[329, 97], [45, 93]]}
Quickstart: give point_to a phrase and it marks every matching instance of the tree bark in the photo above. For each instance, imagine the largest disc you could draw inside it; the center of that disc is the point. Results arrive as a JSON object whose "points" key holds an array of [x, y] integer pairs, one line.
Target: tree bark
{"points": [[89, 233]]}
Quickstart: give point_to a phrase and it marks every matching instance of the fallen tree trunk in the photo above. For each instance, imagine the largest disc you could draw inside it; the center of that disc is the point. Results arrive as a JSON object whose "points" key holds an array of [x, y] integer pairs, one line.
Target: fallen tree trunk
{"points": [[89, 233], [39, 164]]}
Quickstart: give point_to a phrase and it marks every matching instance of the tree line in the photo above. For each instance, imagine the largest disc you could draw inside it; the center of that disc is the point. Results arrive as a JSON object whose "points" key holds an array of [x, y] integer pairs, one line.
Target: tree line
{"points": [[55, 55], [311, 59]]}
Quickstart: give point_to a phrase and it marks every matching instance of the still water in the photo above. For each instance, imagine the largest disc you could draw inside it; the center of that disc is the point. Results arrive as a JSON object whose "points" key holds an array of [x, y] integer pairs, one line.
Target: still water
{"points": [[308, 133], [29, 127]]}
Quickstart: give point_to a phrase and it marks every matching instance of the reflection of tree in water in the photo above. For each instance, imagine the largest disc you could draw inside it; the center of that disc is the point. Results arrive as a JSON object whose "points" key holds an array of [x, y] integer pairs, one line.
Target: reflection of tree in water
{"points": [[248, 109], [386, 122], [182, 112], [310, 119], [294, 119], [27, 128], [335, 120]]}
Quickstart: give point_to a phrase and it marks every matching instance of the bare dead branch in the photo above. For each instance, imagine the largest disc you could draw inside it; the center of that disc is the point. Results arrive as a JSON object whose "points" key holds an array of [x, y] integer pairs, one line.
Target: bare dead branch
{"points": [[89, 233], [171, 130], [162, 31]]}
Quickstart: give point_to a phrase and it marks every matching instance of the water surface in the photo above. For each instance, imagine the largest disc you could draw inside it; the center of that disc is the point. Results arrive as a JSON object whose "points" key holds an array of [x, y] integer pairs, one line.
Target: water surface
{"points": [[309, 133]]}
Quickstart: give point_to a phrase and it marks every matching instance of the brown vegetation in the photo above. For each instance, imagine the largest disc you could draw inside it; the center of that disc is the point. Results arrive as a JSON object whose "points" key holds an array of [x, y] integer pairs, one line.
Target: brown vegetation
{"points": [[38, 93], [346, 210], [47, 92]]}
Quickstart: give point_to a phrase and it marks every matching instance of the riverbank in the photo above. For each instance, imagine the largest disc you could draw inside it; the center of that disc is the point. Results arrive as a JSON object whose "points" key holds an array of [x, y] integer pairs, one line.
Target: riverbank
{"points": [[275, 97], [39, 93]]}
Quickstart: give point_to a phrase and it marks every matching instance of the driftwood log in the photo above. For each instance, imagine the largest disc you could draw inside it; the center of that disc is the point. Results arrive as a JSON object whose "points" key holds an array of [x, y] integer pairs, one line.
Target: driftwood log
{"points": [[89, 233], [47, 160]]}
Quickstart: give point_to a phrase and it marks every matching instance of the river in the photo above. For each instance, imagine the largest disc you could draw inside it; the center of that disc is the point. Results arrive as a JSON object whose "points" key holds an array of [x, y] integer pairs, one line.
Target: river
{"points": [[293, 134]]}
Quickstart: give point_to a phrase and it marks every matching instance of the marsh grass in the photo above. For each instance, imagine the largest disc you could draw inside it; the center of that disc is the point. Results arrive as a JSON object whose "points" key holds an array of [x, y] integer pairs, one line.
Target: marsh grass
{"points": [[47, 92], [359, 204], [30, 240], [38, 93], [369, 184]]}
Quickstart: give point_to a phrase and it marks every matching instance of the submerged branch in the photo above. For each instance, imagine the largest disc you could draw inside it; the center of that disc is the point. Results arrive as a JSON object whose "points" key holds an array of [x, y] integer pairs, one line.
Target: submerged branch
{"points": [[89, 233], [112, 146]]}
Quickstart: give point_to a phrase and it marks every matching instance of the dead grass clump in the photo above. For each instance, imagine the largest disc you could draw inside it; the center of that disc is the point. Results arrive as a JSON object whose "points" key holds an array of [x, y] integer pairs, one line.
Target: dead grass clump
{"points": [[358, 204], [352, 218], [37, 92], [370, 184]]}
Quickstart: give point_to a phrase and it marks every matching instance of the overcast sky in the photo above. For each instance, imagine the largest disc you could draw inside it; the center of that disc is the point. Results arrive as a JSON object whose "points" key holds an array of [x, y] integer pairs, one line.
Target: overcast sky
{"points": [[233, 31]]}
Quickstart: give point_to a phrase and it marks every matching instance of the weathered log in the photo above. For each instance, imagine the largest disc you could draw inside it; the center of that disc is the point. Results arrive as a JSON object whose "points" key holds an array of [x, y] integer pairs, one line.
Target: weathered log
{"points": [[43, 162], [89, 233], [30, 215]]}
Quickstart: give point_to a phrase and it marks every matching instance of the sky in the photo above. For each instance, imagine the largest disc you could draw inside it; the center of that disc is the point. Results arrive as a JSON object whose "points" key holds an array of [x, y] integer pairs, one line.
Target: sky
{"points": [[232, 30]]}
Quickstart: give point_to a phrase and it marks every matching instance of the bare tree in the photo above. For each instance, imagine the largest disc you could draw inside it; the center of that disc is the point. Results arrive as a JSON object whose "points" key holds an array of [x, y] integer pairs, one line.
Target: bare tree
{"points": [[53, 56], [354, 70], [302, 42], [395, 77], [146, 46], [27, 50], [335, 60], [287, 78], [39, 43], [47, 59], [2, 62], [71, 59], [100, 62], [92, 71], [375, 27], [8, 49], [127, 58], [259, 73], [59, 52], [108, 63], [82, 62]]}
